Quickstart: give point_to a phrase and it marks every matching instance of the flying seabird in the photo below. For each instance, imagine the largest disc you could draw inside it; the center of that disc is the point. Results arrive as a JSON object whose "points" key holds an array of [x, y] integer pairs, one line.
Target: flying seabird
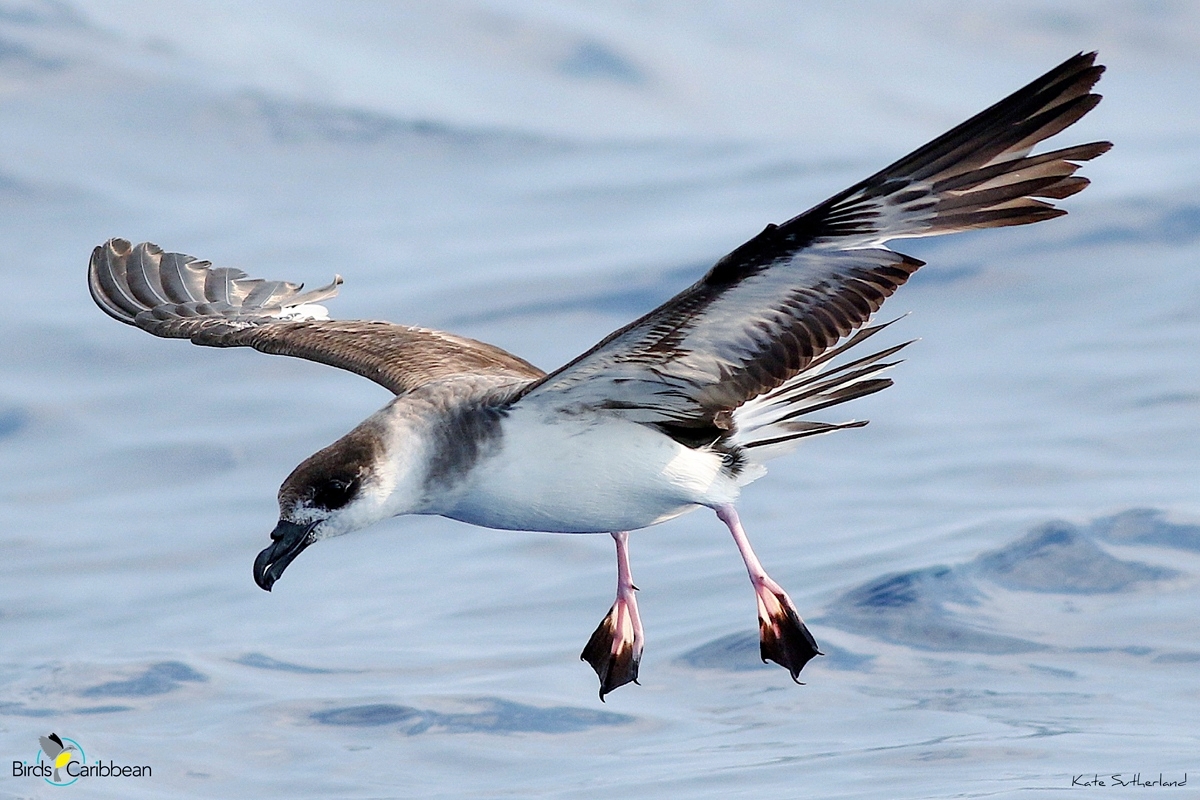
{"points": [[677, 410]]}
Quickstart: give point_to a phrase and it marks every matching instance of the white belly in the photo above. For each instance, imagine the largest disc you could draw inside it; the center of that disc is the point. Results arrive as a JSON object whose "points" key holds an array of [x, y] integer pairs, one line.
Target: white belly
{"points": [[583, 474]]}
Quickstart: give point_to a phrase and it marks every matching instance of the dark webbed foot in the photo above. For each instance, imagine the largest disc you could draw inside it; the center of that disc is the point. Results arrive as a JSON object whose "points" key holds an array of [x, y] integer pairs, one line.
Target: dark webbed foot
{"points": [[783, 636], [615, 649]]}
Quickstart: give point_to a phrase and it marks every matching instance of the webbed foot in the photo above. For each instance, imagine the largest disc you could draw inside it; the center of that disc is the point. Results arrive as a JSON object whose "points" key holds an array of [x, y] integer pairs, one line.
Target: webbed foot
{"points": [[615, 649], [783, 636]]}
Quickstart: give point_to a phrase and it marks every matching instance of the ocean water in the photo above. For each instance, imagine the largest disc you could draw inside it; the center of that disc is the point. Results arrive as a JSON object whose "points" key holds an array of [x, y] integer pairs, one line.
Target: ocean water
{"points": [[1002, 568]]}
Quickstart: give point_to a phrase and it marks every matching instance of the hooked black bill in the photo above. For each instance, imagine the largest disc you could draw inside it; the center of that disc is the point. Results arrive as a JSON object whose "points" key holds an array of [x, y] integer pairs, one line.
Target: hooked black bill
{"points": [[288, 540]]}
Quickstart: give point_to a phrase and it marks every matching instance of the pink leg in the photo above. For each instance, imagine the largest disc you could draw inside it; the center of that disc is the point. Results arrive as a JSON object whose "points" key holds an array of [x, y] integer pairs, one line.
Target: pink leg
{"points": [[783, 636], [615, 649]]}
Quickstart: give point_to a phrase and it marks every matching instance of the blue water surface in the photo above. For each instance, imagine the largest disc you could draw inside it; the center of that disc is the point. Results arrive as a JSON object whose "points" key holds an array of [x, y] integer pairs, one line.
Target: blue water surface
{"points": [[1002, 568]]}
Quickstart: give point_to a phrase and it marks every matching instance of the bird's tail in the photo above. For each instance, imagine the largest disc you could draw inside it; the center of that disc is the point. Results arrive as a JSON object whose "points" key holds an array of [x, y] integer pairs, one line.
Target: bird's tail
{"points": [[771, 424]]}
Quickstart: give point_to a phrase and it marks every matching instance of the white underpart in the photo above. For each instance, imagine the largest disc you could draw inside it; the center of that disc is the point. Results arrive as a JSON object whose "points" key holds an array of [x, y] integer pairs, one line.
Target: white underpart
{"points": [[568, 473]]}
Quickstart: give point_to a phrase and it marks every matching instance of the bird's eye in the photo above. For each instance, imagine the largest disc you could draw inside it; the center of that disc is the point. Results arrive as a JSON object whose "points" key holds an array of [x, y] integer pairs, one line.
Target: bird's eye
{"points": [[335, 493]]}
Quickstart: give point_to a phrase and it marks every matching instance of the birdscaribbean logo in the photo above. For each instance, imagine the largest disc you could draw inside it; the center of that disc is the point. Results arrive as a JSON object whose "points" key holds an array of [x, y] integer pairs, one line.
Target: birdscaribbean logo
{"points": [[61, 761]]}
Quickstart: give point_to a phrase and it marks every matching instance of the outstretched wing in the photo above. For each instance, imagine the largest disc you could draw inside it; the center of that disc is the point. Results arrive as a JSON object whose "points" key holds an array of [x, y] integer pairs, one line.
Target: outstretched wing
{"points": [[175, 296], [770, 308]]}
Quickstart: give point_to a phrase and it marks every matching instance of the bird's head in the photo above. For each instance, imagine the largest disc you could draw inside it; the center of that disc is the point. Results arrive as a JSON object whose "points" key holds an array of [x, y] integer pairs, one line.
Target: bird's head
{"points": [[335, 491]]}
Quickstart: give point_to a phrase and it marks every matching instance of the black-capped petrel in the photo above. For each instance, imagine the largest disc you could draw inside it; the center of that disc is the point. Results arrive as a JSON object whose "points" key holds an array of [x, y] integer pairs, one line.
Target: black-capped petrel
{"points": [[677, 410]]}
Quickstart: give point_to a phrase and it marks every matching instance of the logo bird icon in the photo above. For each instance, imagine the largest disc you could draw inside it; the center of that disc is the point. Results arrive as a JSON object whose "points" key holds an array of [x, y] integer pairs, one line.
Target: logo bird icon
{"points": [[59, 753]]}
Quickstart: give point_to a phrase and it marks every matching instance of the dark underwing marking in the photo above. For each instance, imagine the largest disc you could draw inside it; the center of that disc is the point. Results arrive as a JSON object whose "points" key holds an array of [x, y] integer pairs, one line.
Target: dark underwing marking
{"points": [[463, 437], [692, 436], [791, 293]]}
